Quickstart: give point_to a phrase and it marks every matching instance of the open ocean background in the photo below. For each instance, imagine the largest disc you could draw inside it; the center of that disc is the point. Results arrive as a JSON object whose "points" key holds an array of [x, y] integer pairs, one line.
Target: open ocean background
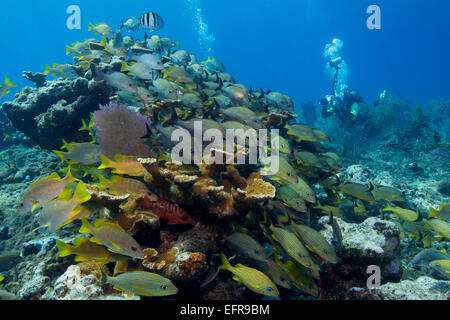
{"points": [[275, 45]]}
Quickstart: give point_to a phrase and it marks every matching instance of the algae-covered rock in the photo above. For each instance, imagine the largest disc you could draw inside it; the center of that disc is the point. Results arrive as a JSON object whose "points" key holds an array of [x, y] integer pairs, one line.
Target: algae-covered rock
{"points": [[53, 112], [74, 285], [374, 241], [423, 288]]}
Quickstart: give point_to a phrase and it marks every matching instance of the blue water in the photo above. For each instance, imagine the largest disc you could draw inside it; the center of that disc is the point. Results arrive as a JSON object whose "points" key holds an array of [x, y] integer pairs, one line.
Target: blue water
{"points": [[276, 45]]}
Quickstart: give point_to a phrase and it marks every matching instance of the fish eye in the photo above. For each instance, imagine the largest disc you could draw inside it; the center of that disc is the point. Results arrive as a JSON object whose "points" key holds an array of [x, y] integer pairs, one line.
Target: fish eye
{"points": [[437, 265], [289, 174], [310, 270], [326, 251], [269, 289], [257, 252], [134, 248], [164, 287]]}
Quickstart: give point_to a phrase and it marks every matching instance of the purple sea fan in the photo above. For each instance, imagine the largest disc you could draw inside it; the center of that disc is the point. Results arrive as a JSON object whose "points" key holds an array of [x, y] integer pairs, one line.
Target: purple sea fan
{"points": [[119, 130]]}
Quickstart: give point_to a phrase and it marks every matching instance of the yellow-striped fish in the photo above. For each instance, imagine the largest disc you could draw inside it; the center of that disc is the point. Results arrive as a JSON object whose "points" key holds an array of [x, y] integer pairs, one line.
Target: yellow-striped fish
{"points": [[274, 271], [141, 283], [59, 212], [443, 213], [315, 242], [304, 190], [302, 132], [123, 165], [84, 250], [86, 153], [42, 191], [404, 214], [299, 276], [119, 185], [440, 226], [291, 198], [388, 194], [286, 174], [113, 237], [253, 279], [357, 190], [442, 266], [246, 246], [283, 144], [295, 249]]}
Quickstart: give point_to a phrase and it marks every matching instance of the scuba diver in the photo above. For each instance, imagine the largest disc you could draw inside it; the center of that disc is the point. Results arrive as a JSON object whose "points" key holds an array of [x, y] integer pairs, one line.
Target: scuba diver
{"points": [[349, 107]]}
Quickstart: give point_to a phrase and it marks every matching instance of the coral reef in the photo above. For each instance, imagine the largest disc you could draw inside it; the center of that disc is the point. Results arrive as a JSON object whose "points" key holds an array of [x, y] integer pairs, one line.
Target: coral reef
{"points": [[51, 113], [173, 219]]}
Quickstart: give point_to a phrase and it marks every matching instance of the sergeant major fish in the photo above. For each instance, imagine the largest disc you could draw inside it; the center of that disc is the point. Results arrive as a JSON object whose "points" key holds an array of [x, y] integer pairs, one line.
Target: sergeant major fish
{"points": [[152, 21]]}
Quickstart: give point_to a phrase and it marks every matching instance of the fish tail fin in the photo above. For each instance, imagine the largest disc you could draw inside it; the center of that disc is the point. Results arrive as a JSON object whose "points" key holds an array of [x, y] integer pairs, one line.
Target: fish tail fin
{"points": [[104, 183], [84, 126], [81, 194], [47, 69], [60, 154], [85, 226], [103, 275], [433, 212], [91, 26], [68, 50], [177, 43], [64, 249], [122, 24], [225, 263], [65, 145], [69, 176], [106, 162], [104, 42], [124, 67], [9, 83]]}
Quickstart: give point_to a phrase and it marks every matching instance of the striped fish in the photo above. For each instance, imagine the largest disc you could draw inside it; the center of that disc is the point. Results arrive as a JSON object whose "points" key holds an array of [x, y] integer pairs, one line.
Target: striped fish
{"points": [[167, 89], [113, 237], [253, 279], [300, 278], [243, 115], [315, 242], [303, 189], [442, 266], [286, 174], [295, 249], [274, 271], [246, 246], [141, 283], [291, 198], [152, 21]]}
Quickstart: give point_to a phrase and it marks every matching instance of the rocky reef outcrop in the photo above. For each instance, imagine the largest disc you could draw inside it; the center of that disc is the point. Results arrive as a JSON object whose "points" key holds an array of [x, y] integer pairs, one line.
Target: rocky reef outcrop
{"points": [[54, 112]]}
